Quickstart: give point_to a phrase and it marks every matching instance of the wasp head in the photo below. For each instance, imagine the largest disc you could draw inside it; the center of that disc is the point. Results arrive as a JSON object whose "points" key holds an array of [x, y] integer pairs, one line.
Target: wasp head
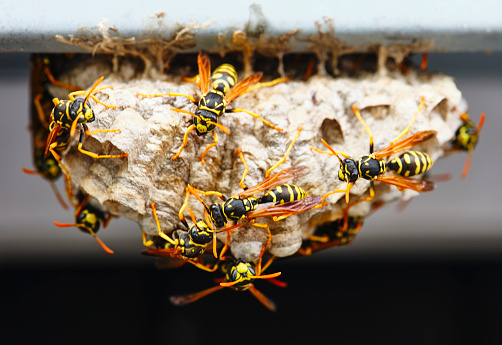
{"points": [[348, 171], [203, 122], [241, 272], [466, 137]]}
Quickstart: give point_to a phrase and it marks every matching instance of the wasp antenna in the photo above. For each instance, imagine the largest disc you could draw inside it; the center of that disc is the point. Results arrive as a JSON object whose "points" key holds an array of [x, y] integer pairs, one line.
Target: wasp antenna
{"points": [[481, 122], [93, 88], [220, 126], [268, 276]]}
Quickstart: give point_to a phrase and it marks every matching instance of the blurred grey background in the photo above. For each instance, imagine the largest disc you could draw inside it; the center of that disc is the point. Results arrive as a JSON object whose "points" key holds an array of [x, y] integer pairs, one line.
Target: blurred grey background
{"points": [[459, 219]]}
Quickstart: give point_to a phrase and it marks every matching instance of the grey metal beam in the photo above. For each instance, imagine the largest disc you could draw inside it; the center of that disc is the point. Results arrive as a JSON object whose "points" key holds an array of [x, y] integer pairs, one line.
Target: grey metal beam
{"points": [[453, 25]]}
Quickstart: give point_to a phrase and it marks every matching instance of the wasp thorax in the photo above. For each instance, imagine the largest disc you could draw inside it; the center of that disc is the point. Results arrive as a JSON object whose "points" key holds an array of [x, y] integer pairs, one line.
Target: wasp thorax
{"points": [[201, 233], [217, 215], [348, 171], [242, 272]]}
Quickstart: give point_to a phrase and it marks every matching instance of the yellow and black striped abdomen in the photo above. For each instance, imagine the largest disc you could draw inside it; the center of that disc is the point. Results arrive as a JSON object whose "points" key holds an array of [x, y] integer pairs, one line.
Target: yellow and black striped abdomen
{"points": [[283, 193], [224, 78], [411, 163]]}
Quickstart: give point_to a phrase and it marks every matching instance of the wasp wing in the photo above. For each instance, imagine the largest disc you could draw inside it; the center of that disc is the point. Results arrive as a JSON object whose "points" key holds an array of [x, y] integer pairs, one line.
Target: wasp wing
{"points": [[288, 208], [185, 299], [405, 144], [283, 176], [267, 302], [242, 87], [51, 138], [402, 183], [204, 72]]}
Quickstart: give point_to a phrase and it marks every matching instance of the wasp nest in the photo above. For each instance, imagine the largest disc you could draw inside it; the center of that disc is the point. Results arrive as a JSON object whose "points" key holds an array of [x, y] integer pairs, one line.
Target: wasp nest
{"points": [[152, 133]]}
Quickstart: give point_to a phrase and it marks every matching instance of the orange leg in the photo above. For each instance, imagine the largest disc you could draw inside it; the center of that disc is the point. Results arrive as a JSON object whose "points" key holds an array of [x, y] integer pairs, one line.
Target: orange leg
{"points": [[407, 129], [161, 234], [346, 211], [246, 170], [53, 80], [269, 239], [423, 65], [209, 147], [185, 140], [238, 110], [68, 187], [40, 111], [95, 155], [283, 159], [267, 84], [173, 94]]}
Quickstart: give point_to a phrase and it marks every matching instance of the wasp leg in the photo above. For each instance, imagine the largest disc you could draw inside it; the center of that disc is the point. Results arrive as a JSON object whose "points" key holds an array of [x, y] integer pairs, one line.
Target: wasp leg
{"points": [[283, 159], [202, 266], [333, 192], [238, 110], [103, 104], [173, 94], [40, 110], [423, 65], [209, 147], [53, 80], [68, 187], [267, 84], [269, 239], [95, 155], [183, 208], [185, 140], [407, 129], [305, 252], [83, 92], [246, 170], [145, 242], [368, 130], [161, 234], [195, 79], [346, 211], [268, 263], [209, 193], [225, 246], [310, 68]]}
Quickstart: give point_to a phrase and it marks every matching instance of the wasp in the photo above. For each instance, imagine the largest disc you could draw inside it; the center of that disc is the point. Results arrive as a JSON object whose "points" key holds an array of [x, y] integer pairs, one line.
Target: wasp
{"points": [[88, 218], [331, 234], [65, 117], [186, 245], [286, 199], [46, 166], [217, 91], [373, 166], [239, 276], [466, 138]]}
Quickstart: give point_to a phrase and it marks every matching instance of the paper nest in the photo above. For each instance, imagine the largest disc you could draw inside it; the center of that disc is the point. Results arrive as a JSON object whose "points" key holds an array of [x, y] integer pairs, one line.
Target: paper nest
{"points": [[152, 133]]}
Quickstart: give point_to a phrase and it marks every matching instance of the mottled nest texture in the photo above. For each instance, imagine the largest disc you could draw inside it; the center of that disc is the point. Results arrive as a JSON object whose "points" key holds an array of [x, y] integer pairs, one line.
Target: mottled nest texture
{"points": [[152, 133]]}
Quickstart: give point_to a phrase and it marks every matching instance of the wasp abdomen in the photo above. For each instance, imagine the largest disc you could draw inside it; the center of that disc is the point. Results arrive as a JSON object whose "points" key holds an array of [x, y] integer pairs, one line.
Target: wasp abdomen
{"points": [[411, 163], [283, 193], [224, 78]]}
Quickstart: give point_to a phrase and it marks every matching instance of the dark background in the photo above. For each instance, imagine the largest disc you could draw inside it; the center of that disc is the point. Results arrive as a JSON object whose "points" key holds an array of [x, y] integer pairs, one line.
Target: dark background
{"points": [[428, 275]]}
